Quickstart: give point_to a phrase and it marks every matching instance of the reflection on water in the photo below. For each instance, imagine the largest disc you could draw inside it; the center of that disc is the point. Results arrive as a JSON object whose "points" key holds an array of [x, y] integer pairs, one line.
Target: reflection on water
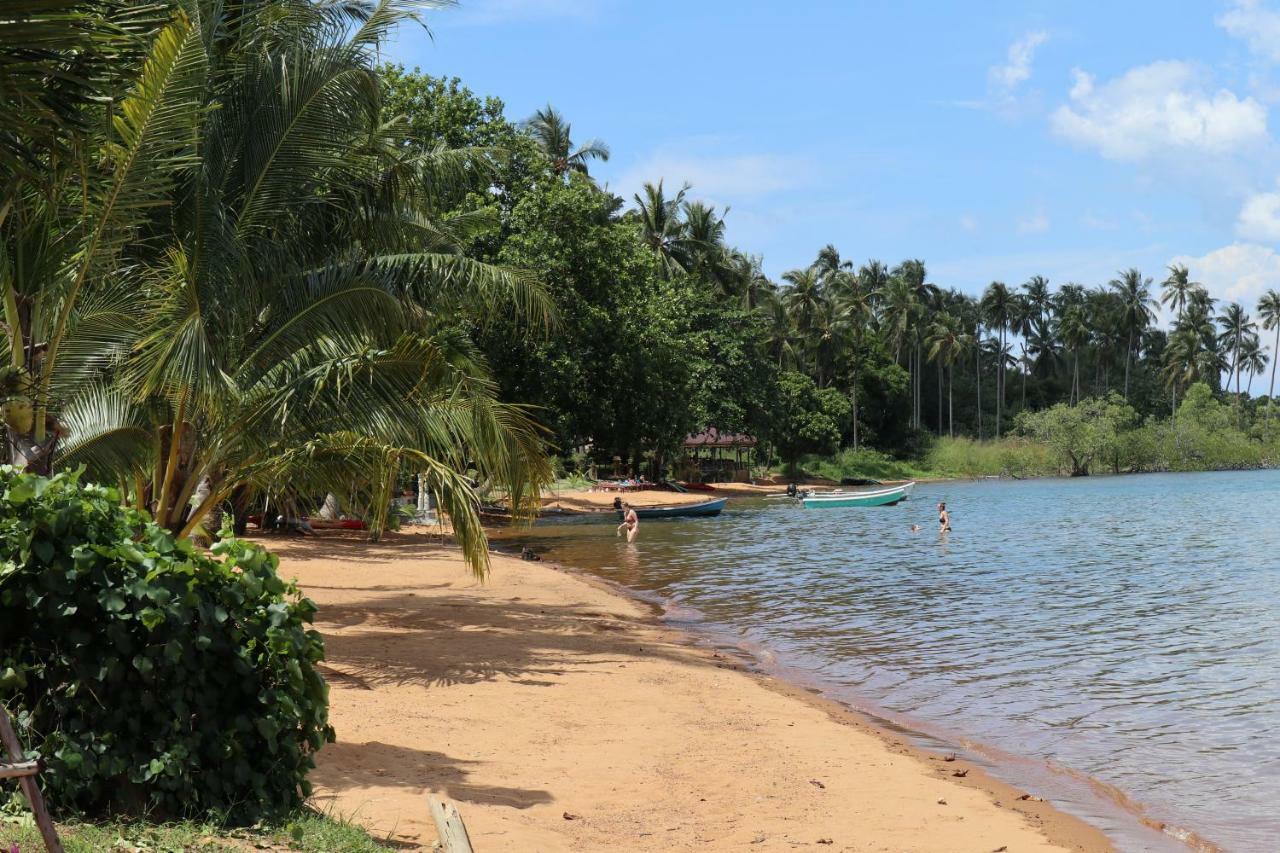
{"points": [[1127, 628]]}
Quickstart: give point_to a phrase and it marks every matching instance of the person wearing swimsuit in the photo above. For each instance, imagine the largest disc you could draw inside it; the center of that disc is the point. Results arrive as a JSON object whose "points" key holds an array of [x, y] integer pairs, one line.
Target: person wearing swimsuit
{"points": [[631, 522], [944, 519]]}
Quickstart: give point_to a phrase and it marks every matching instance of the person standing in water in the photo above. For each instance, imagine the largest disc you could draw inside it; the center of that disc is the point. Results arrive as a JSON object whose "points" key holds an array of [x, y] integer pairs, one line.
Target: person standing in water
{"points": [[944, 518], [630, 521]]}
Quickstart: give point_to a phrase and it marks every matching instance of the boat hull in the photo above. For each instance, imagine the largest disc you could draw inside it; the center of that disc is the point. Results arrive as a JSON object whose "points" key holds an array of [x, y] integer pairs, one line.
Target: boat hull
{"points": [[700, 510], [877, 497]]}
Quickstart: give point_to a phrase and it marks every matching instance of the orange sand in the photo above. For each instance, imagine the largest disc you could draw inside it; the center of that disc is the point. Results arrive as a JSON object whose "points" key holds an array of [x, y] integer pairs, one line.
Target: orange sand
{"points": [[583, 500], [559, 716]]}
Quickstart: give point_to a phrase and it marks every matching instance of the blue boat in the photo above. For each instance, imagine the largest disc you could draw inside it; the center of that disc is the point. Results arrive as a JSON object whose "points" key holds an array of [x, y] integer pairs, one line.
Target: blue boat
{"points": [[699, 510]]}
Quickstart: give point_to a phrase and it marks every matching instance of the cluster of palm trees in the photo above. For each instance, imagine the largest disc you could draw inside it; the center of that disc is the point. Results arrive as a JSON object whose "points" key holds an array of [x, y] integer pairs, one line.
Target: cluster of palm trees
{"points": [[223, 275], [822, 316]]}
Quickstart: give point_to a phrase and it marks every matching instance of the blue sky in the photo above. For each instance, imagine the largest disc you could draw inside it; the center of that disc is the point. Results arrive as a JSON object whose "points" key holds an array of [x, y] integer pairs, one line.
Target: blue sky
{"points": [[995, 141]]}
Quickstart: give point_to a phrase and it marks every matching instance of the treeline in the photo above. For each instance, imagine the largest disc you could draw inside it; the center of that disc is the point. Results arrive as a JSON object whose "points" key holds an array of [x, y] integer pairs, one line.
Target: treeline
{"points": [[665, 328]]}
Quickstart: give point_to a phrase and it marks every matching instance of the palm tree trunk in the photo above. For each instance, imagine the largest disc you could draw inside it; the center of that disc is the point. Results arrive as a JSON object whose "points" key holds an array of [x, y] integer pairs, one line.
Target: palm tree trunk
{"points": [[977, 358], [939, 396], [1000, 384], [853, 395], [1275, 354], [1128, 354], [951, 412]]}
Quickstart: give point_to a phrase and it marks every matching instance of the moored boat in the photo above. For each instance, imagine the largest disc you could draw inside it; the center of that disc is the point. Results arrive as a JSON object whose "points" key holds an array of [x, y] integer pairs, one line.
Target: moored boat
{"points": [[698, 510], [872, 497]]}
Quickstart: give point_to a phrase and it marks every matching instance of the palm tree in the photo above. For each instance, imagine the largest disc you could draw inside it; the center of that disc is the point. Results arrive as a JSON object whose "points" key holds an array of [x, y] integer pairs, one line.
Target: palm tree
{"points": [[663, 230], [1269, 310], [1136, 312], [998, 305], [1253, 360], [1176, 290], [853, 306], [552, 134], [704, 231], [287, 324], [780, 329], [804, 297], [948, 342], [1074, 333], [1038, 297], [1237, 327]]}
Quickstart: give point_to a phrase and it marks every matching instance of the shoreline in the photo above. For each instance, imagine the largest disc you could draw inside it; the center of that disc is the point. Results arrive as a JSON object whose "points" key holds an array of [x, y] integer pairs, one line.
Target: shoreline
{"points": [[495, 700], [923, 740]]}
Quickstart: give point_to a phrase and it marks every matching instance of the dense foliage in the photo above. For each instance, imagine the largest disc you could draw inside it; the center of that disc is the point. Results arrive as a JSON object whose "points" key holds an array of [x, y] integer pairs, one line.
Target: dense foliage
{"points": [[665, 328], [152, 678], [237, 284]]}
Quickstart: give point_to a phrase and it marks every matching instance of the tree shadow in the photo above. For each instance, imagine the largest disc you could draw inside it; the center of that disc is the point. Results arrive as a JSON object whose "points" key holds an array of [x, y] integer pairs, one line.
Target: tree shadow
{"points": [[344, 766], [440, 640]]}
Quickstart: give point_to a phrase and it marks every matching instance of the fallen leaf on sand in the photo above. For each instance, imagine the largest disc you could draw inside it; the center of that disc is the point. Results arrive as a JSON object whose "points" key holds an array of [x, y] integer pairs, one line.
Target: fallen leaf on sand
{"points": [[825, 841], [960, 774], [816, 783], [942, 802], [568, 816]]}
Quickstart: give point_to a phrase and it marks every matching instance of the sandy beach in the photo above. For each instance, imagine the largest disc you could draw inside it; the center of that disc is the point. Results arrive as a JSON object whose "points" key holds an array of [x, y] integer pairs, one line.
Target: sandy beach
{"points": [[559, 715], [586, 500]]}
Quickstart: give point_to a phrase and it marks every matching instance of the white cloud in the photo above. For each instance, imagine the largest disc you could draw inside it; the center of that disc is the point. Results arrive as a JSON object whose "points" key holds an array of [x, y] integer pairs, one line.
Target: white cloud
{"points": [[1256, 25], [1260, 217], [1017, 70], [1157, 110], [1036, 223], [1240, 272], [1004, 81], [717, 175]]}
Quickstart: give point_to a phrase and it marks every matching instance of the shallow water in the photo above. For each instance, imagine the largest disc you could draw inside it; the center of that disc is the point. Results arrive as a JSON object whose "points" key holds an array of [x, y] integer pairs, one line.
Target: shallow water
{"points": [[1123, 628]]}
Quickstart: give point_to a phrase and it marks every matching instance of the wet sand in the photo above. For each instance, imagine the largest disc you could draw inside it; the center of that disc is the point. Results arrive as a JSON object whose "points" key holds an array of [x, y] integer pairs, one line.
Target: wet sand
{"points": [[559, 715]]}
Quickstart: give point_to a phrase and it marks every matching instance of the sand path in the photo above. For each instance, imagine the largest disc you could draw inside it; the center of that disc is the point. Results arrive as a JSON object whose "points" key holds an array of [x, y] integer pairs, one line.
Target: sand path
{"points": [[560, 717]]}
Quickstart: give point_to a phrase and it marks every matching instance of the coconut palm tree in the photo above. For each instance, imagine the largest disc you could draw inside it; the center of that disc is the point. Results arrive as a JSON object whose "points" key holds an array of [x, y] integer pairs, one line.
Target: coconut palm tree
{"points": [[1237, 328], [1269, 310], [261, 300], [948, 342], [663, 229], [1038, 298], [1074, 332], [998, 306], [553, 135], [1176, 290], [1253, 360], [1137, 312]]}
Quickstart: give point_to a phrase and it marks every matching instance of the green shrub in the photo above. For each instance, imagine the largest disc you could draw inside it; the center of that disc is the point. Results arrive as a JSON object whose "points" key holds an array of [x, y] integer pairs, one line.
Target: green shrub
{"points": [[153, 679]]}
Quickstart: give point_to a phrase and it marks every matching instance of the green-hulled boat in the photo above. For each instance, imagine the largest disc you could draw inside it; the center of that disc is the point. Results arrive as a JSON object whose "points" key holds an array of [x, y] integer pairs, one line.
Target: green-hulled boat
{"points": [[873, 497]]}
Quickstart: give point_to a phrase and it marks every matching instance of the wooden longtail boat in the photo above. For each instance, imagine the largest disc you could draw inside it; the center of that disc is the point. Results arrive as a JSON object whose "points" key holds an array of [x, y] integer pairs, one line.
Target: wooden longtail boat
{"points": [[873, 497], [699, 510]]}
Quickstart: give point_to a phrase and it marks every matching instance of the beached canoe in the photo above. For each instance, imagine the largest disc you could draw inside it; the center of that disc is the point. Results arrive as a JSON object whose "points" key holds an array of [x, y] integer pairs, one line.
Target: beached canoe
{"points": [[872, 497], [699, 510]]}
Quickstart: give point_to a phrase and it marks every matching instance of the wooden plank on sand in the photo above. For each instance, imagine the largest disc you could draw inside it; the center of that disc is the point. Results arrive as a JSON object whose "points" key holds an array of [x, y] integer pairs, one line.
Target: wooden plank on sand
{"points": [[449, 826]]}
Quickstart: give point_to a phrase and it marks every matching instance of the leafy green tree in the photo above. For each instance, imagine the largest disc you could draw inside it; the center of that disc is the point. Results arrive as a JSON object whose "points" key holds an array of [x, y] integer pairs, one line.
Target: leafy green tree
{"points": [[808, 419], [1081, 433]]}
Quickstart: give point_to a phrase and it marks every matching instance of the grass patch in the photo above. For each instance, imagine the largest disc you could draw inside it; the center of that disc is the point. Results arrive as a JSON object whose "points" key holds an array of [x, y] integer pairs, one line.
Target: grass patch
{"points": [[307, 832]]}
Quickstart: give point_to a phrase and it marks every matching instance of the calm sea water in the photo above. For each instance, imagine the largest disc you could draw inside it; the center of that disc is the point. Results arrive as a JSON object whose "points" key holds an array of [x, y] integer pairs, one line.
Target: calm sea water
{"points": [[1118, 629]]}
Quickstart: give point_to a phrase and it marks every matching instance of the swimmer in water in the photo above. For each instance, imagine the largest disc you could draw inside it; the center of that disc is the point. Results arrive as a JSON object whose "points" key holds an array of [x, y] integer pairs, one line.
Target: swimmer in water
{"points": [[630, 521], [944, 518]]}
